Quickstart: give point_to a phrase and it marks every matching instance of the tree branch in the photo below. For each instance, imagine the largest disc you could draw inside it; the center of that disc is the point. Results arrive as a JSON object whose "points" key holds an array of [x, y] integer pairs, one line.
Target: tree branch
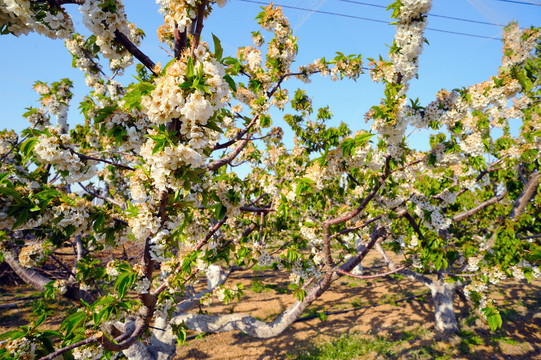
{"points": [[88, 157], [199, 25], [530, 190], [260, 329], [232, 155], [466, 214], [107, 199], [236, 138], [134, 50], [411, 274], [374, 275]]}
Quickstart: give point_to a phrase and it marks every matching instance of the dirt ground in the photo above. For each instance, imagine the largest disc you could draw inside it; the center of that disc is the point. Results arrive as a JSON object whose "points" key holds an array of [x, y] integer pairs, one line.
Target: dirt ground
{"points": [[377, 311], [373, 311]]}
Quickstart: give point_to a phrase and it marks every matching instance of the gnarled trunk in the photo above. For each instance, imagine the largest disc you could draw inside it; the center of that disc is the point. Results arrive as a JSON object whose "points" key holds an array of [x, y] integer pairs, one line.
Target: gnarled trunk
{"points": [[442, 296]]}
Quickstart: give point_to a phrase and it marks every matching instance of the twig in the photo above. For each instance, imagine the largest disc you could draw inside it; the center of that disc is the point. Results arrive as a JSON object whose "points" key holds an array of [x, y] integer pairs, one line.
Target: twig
{"points": [[13, 148], [108, 199], [94, 338], [88, 157], [371, 276]]}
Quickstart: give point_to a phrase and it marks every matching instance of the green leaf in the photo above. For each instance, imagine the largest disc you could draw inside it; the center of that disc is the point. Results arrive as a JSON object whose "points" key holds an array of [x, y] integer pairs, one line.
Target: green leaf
{"points": [[27, 148], [169, 63], [21, 219], [72, 322], [265, 121], [221, 211], [494, 321], [13, 334], [218, 51], [98, 223], [123, 283], [189, 69], [229, 80]]}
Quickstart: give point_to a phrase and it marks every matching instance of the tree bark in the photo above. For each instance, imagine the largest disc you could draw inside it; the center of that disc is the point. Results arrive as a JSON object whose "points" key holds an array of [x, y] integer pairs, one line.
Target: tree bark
{"points": [[442, 296]]}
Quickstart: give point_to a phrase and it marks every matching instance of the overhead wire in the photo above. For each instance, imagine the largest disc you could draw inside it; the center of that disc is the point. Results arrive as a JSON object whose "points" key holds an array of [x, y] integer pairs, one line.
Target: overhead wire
{"points": [[519, 2], [368, 19], [431, 14]]}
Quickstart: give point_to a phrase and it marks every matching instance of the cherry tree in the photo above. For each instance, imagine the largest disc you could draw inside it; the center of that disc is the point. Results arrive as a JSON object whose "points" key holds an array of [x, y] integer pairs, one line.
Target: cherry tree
{"points": [[154, 164]]}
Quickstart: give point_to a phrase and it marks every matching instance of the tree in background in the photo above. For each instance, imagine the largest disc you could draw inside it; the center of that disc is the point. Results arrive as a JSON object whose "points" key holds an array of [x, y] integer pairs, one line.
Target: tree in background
{"points": [[154, 161]]}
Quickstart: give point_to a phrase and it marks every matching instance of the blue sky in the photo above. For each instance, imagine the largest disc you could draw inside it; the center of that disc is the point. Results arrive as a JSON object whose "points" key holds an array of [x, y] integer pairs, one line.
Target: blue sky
{"points": [[449, 61]]}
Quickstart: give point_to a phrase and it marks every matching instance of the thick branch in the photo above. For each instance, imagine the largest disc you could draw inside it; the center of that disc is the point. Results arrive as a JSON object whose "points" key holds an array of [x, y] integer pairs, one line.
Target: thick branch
{"points": [[134, 50], [527, 194], [257, 328], [29, 276], [466, 214], [199, 25], [181, 41]]}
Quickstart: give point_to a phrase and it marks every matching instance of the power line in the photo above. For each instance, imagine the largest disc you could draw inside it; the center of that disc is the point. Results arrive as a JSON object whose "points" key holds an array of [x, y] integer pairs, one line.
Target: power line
{"points": [[519, 2], [369, 19], [430, 15]]}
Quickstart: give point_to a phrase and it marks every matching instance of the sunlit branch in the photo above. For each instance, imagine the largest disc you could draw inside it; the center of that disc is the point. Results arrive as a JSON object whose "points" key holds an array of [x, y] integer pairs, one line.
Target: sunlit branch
{"points": [[372, 276]]}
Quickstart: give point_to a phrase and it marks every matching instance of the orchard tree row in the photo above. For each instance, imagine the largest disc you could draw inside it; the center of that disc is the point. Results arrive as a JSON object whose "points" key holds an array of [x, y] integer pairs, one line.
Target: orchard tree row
{"points": [[154, 163]]}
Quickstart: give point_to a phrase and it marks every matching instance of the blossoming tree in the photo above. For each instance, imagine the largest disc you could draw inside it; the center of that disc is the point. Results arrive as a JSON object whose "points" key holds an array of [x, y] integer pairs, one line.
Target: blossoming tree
{"points": [[153, 164]]}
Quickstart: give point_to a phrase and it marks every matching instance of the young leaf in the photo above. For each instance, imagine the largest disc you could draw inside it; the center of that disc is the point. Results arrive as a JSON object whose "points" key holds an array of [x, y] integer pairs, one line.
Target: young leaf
{"points": [[218, 51]]}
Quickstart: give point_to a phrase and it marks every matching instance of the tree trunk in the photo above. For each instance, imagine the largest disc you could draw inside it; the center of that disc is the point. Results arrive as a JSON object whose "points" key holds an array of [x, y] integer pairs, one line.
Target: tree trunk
{"points": [[442, 295]]}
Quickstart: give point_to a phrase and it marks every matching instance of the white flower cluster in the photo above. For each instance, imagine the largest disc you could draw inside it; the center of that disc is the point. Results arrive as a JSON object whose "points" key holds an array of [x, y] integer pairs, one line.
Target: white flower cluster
{"points": [[304, 271], [55, 150], [157, 246], [145, 223], [82, 60], [56, 101], [135, 126], [181, 12], [88, 352], [223, 188], [409, 39], [103, 21], [22, 16], [61, 286], [437, 220], [142, 284], [21, 348], [76, 215], [447, 196], [265, 259], [226, 292], [381, 70], [32, 255], [111, 269], [518, 45], [8, 139], [393, 131], [283, 46], [192, 107], [473, 263], [38, 119], [518, 270]]}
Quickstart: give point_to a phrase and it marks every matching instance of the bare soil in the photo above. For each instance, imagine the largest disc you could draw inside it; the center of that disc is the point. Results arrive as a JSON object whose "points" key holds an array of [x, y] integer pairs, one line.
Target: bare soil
{"points": [[371, 310]]}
